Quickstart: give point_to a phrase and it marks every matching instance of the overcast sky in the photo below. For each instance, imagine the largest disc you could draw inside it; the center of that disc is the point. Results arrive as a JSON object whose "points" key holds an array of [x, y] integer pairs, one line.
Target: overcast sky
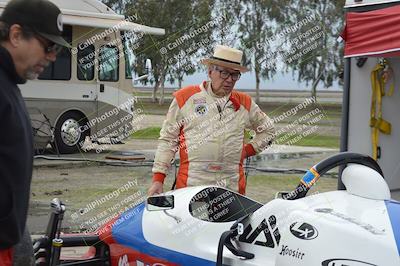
{"points": [[247, 81]]}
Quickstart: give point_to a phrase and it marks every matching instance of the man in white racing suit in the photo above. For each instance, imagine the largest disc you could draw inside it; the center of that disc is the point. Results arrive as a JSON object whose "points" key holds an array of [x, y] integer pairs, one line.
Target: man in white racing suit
{"points": [[206, 123]]}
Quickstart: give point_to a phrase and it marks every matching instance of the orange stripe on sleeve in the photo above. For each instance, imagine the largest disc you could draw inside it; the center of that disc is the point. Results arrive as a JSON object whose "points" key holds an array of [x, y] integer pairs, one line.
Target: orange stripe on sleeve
{"points": [[242, 181], [184, 94], [242, 177], [181, 180], [243, 98], [159, 177]]}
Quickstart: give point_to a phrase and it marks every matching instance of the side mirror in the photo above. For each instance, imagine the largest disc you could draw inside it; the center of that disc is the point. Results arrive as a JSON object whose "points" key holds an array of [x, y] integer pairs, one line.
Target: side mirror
{"points": [[160, 203]]}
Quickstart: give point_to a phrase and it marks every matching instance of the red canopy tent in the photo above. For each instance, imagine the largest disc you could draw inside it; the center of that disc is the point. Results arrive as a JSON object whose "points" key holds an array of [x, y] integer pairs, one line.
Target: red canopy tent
{"points": [[373, 33]]}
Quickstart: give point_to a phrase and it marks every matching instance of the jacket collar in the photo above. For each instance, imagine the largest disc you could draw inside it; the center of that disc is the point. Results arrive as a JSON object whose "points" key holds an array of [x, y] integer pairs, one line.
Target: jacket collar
{"points": [[8, 66]]}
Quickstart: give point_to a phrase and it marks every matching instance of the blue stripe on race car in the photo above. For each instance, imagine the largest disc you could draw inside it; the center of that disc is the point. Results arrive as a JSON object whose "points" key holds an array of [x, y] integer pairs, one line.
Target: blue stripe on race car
{"points": [[128, 231], [393, 208]]}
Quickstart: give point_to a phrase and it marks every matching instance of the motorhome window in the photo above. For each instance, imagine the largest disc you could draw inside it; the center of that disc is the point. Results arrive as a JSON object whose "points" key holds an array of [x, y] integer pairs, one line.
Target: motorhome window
{"points": [[108, 63], [86, 61], [219, 205], [61, 68], [128, 53]]}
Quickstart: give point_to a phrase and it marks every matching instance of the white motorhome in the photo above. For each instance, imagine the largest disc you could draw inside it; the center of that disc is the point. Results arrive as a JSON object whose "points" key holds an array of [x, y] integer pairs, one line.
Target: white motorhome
{"points": [[372, 48], [88, 90]]}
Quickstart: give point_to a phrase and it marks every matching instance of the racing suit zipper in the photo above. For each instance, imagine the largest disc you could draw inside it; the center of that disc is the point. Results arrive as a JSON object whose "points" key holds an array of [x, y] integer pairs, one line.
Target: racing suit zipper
{"points": [[220, 110]]}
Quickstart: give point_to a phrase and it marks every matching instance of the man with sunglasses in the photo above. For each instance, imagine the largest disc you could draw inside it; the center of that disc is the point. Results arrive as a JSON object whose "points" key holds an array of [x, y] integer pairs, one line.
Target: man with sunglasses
{"points": [[30, 38], [206, 124]]}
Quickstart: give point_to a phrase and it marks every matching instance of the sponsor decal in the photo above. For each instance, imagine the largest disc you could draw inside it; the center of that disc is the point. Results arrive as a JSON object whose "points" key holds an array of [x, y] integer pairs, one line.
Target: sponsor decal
{"points": [[345, 262], [123, 261], [267, 228], [303, 231], [214, 168], [199, 100], [342, 216], [295, 253], [201, 109]]}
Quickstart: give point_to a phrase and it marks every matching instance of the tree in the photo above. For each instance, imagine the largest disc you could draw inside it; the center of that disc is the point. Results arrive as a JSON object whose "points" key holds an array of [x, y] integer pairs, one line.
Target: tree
{"points": [[256, 27], [117, 5], [226, 30], [197, 36], [184, 23], [310, 49]]}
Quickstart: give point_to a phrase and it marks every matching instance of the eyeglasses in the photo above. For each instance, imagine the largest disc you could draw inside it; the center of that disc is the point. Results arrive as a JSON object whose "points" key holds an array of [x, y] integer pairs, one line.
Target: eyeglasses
{"points": [[225, 74], [49, 47]]}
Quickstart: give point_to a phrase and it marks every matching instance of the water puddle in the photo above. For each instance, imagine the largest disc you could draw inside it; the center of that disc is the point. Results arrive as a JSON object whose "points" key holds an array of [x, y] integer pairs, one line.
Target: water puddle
{"points": [[300, 160]]}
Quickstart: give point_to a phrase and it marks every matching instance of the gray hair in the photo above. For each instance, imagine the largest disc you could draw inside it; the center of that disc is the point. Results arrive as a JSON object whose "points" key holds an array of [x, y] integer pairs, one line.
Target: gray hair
{"points": [[5, 32], [212, 67]]}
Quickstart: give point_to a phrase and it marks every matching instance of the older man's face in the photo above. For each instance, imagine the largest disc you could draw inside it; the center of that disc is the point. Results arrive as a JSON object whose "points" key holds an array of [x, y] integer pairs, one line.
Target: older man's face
{"points": [[223, 79], [29, 55]]}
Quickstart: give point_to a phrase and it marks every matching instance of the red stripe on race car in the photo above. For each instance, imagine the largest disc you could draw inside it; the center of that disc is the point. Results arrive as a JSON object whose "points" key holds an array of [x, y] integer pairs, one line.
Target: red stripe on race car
{"points": [[123, 256], [105, 232]]}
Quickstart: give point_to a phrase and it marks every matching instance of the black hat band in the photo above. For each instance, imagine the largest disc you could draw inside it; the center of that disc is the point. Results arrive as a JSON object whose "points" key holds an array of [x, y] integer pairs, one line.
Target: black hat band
{"points": [[225, 60]]}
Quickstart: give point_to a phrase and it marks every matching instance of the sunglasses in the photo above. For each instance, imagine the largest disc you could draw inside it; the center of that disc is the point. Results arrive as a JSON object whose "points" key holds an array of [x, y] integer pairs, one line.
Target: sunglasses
{"points": [[49, 47], [225, 74]]}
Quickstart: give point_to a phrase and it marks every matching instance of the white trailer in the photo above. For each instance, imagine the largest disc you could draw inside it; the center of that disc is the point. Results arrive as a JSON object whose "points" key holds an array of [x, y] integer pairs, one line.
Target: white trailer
{"points": [[366, 47], [88, 90]]}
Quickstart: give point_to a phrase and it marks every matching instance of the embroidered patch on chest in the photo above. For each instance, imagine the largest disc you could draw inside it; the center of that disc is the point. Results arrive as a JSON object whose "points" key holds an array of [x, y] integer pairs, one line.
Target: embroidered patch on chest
{"points": [[199, 100], [201, 109]]}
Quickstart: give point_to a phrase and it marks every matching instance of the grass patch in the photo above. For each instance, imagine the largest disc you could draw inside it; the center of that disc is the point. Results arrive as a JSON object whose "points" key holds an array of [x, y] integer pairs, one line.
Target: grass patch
{"points": [[147, 133], [153, 108], [150, 93], [313, 140], [331, 111], [320, 141]]}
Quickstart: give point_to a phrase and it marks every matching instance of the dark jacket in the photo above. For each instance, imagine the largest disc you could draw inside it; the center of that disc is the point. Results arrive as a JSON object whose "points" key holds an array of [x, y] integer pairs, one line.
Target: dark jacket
{"points": [[16, 154]]}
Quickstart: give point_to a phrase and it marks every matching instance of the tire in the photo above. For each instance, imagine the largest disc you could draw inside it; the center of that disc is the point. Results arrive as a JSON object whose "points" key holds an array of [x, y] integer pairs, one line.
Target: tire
{"points": [[68, 137]]}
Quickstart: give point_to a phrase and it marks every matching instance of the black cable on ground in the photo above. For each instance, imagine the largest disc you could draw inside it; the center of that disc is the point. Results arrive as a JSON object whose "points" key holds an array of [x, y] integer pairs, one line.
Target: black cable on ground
{"points": [[142, 163], [107, 162]]}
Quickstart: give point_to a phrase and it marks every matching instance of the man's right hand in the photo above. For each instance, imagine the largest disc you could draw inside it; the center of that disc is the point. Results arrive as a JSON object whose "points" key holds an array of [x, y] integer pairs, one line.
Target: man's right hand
{"points": [[155, 188]]}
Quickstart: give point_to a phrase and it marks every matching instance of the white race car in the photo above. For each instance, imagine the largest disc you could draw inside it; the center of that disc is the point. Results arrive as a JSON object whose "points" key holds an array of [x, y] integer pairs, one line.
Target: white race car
{"points": [[211, 225]]}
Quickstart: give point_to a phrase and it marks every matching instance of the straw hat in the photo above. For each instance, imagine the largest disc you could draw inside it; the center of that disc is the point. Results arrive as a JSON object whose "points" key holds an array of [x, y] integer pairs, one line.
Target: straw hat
{"points": [[227, 57]]}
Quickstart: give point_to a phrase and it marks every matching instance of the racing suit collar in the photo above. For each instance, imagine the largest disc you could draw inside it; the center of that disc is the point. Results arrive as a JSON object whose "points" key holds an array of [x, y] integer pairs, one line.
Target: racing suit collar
{"points": [[207, 86]]}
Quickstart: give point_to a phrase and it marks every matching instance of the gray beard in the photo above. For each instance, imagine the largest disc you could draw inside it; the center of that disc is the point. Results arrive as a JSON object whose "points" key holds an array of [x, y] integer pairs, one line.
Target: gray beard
{"points": [[31, 75]]}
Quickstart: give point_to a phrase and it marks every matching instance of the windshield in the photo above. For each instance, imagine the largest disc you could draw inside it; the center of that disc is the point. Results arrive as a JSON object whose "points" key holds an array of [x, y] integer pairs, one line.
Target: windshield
{"points": [[219, 205], [130, 40]]}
